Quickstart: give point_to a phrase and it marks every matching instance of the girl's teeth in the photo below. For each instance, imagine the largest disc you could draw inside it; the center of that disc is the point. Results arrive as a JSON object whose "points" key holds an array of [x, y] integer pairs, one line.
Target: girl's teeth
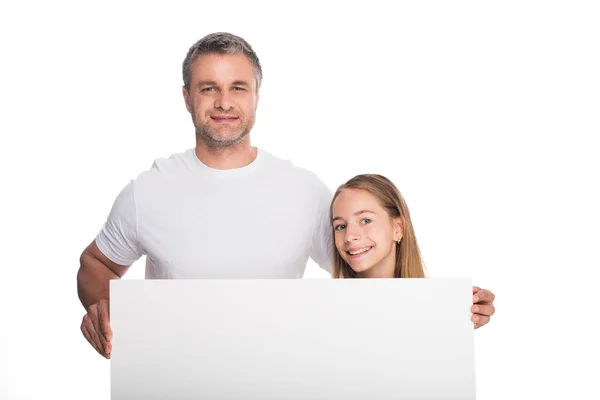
{"points": [[359, 251]]}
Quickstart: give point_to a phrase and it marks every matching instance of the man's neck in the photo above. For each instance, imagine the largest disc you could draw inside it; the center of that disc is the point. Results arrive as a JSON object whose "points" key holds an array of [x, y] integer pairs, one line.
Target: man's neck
{"points": [[231, 157]]}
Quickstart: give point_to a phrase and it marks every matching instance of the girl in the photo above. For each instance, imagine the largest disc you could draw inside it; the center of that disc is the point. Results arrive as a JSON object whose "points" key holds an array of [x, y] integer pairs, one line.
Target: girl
{"points": [[373, 233], [374, 238]]}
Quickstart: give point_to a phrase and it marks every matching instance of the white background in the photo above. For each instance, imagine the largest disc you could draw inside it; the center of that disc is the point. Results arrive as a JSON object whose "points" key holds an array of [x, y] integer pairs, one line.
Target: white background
{"points": [[485, 114]]}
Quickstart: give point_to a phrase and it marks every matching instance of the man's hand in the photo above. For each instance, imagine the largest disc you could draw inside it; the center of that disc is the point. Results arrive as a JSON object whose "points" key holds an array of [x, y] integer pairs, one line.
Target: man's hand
{"points": [[96, 328], [483, 306]]}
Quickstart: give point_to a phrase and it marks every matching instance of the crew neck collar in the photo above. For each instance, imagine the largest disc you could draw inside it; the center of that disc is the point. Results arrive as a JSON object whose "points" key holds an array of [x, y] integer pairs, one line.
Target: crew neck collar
{"points": [[229, 173]]}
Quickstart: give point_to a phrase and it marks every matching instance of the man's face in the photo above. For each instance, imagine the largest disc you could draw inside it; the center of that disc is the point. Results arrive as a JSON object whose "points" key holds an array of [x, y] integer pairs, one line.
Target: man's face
{"points": [[222, 98]]}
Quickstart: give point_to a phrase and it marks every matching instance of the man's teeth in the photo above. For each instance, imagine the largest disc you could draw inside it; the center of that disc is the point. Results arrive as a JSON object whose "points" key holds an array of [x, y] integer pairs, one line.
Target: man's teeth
{"points": [[359, 251]]}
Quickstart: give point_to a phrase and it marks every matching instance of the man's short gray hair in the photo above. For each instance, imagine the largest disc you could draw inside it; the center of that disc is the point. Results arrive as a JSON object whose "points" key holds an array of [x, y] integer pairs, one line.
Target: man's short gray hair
{"points": [[220, 43]]}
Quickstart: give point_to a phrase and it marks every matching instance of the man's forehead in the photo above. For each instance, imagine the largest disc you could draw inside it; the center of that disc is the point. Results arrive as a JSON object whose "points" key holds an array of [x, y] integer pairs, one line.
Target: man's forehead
{"points": [[213, 62], [221, 68]]}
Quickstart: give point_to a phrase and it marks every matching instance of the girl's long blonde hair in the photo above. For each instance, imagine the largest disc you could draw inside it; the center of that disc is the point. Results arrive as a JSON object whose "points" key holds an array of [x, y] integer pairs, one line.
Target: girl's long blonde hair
{"points": [[408, 256]]}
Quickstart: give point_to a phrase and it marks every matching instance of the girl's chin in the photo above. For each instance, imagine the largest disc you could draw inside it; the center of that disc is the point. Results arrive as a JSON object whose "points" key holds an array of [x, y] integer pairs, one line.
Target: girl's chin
{"points": [[359, 268]]}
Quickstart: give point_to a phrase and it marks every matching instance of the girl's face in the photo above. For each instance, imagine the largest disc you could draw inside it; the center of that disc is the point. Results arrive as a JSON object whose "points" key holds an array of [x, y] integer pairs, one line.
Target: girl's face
{"points": [[365, 235]]}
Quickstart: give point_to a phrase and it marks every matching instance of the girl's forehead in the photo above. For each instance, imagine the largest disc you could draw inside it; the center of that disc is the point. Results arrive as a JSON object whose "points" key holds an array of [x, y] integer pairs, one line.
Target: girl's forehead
{"points": [[350, 200]]}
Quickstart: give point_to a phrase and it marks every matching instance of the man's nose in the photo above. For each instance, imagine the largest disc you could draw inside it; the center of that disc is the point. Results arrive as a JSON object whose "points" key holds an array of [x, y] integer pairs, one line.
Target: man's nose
{"points": [[223, 101]]}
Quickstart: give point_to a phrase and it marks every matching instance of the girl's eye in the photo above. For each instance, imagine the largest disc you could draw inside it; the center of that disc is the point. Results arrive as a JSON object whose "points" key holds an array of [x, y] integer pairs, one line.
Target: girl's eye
{"points": [[339, 227], [366, 220]]}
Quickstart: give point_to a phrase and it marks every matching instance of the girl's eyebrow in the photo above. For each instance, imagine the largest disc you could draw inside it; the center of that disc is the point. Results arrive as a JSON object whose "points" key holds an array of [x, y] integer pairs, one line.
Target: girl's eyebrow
{"points": [[356, 213]]}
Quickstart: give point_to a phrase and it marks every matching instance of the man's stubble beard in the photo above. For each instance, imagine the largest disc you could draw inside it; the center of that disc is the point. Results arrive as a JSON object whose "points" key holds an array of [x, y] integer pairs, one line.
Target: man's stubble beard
{"points": [[206, 134]]}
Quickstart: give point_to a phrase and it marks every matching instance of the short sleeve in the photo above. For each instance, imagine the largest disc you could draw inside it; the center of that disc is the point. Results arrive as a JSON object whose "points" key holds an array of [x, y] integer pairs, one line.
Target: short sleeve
{"points": [[118, 239], [322, 240]]}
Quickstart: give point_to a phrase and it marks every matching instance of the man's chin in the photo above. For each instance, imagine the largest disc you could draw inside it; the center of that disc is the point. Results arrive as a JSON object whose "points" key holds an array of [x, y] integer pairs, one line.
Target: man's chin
{"points": [[221, 140]]}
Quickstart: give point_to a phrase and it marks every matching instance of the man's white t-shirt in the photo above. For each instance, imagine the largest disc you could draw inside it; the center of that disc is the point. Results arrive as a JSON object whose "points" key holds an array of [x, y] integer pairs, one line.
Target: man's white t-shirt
{"points": [[263, 220]]}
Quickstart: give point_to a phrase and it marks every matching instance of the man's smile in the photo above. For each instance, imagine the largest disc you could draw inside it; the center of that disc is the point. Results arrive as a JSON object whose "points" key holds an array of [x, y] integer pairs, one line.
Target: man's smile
{"points": [[224, 118]]}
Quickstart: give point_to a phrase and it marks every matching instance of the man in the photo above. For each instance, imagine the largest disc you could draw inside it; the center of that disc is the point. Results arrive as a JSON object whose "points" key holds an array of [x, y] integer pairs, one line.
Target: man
{"points": [[222, 210]]}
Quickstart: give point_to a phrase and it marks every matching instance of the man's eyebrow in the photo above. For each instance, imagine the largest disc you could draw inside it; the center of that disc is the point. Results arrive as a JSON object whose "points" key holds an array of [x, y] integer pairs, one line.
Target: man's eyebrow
{"points": [[240, 83], [206, 83], [356, 213]]}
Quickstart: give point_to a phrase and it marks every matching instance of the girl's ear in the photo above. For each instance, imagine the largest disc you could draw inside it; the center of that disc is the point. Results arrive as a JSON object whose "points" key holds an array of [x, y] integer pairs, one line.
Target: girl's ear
{"points": [[398, 228]]}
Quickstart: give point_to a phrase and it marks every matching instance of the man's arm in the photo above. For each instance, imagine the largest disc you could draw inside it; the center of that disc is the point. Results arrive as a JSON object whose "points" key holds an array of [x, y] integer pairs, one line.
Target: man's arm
{"points": [[93, 284], [322, 248], [114, 250], [94, 275]]}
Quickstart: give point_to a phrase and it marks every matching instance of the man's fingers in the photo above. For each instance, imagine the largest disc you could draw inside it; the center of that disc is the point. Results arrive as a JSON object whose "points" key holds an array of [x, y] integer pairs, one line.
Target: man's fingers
{"points": [[91, 335], [104, 322], [104, 317], [88, 337], [480, 319], [96, 328], [483, 307], [93, 317], [488, 310], [483, 296], [486, 296], [94, 334]]}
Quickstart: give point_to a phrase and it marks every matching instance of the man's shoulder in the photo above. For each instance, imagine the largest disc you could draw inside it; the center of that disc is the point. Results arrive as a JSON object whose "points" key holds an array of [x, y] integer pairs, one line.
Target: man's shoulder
{"points": [[176, 162], [176, 165], [287, 169]]}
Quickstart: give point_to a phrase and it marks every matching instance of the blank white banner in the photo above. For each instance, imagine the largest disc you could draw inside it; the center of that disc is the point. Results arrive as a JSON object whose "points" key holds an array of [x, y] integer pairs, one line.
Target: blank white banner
{"points": [[349, 339]]}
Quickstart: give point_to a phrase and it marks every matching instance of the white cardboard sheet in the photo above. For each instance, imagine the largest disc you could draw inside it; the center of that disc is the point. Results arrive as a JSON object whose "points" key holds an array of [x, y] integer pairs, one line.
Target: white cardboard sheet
{"points": [[291, 339]]}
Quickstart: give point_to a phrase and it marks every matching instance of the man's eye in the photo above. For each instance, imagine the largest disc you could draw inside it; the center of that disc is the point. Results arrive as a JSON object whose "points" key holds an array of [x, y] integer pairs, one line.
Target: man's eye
{"points": [[339, 227], [239, 89], [208, 89], [366, 221]]}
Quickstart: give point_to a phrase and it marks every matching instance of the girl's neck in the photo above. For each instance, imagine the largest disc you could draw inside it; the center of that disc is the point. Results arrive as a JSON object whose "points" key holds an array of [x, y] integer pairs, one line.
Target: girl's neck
{"points": [[385, 269]]}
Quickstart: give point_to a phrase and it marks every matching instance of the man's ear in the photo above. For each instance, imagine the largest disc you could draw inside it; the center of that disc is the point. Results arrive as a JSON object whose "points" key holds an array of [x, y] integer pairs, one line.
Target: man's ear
{"points": [[398, 228], [186, 98]]}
